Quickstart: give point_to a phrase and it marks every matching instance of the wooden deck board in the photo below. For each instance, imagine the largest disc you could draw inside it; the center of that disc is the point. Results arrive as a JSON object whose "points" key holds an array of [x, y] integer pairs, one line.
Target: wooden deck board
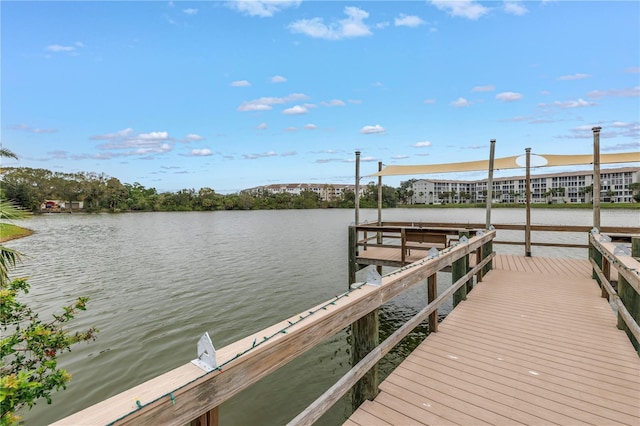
{"points": [[534, 343]]}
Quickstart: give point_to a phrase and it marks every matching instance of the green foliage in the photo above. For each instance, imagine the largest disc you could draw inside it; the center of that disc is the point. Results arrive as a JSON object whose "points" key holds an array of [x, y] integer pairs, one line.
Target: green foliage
{"points": [[29, 349]]}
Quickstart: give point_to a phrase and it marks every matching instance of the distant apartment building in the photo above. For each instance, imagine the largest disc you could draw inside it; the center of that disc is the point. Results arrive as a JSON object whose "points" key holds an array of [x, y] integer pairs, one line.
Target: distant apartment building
{"points": [[568, 187], [326, 191]]}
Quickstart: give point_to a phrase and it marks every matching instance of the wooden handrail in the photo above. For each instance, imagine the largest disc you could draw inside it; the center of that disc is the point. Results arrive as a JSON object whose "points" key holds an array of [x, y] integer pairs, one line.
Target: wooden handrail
{"points": [[622, 310], [321, 405], [628, 268], [187, 392]]}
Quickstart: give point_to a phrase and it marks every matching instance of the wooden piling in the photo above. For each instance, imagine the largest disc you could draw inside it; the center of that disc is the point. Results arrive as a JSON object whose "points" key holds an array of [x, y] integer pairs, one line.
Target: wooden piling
{"points": [[635, 247], [458, 270], [364, 334], [432, 294], [487, 249], [210, 418]]}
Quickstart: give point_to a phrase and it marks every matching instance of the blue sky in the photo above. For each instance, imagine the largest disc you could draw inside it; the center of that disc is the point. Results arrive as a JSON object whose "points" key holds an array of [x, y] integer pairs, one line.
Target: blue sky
{"points": [[231, 95]]}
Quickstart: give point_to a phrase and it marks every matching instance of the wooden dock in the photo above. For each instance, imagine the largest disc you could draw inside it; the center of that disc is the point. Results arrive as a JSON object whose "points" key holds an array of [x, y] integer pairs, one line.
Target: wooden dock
{"points": [[534, 343]]}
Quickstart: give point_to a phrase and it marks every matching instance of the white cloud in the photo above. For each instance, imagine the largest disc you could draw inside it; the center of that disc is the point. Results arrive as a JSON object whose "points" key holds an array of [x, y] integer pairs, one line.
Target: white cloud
{"points": [[128, 143], [205, 152], [288, 154], [120, 134], [515, 8], [190, 11], [487, 88], [59, 48], [632, 70], [352, 26], [630, 92], [30, 129], [262, 8], [578, 76], [429, 101], [460, 103], [569, 104], [509, 96], [265, 103], [278, 79], [295, 110], [153, 136], [262, 155], [408, 21], [193, 137], [381, 25], [333, 102], [355, 101], [261, 126], [368, 130], [240, 83], [463, 8], [422, 144], [291, 129], [310, 126], [400, 157]]}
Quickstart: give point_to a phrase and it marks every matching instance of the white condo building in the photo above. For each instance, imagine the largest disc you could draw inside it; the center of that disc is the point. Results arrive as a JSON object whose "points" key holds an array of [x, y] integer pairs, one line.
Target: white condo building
{"points": [[326, 191], [568, 187]]}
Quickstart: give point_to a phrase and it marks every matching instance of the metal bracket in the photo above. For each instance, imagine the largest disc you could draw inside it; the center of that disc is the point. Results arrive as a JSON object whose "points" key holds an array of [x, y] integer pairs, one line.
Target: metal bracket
{"points": [[463, 240], [433, 253], [373, 277], [622, 250], [206, 354]]}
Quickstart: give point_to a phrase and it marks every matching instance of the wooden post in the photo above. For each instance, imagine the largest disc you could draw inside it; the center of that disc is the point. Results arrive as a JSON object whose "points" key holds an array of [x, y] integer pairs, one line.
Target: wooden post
{"points": [[527, 231], [489, 199], [596, 177], [357, 194], [631, 300], [606, 271], [468, 262], [352, 255], [487, 249], [635, 247], [379, 234], [210, 418], [458, 270], [364, 334], [432, 293], [403, 246], [479, 258]]}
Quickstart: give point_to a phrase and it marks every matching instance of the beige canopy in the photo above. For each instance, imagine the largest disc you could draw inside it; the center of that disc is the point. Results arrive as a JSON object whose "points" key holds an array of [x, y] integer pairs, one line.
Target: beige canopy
{"points": [[509, 163]]}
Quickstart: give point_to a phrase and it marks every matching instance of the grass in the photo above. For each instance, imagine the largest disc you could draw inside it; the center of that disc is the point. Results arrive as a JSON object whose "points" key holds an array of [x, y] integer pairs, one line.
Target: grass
{"points": [[633, 206], [11, 232]]}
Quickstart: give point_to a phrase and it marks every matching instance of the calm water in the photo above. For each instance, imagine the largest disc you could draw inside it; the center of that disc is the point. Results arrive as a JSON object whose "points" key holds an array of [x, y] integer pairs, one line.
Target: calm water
{"points": [[158, 281]]}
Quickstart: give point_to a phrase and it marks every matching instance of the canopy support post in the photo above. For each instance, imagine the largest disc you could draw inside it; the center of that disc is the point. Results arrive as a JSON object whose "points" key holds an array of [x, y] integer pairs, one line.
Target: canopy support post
{"points": [[490, 182], [596, 177], [527, 231], [357, 195]]}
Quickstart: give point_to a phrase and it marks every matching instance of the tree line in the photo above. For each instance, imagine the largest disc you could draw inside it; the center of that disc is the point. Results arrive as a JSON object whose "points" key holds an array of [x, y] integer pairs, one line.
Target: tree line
{"points": [[30, 188]]}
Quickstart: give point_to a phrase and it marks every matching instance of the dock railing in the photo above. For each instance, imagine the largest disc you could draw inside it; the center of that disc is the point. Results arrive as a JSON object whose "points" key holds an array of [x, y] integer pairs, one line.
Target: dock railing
{"points": [[615, 231], [189, 394], [624, 295]]}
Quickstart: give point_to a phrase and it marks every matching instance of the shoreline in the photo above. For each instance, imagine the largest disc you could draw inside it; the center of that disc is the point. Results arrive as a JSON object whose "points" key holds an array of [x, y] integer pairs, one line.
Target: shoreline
{"points": [[10, 232]]}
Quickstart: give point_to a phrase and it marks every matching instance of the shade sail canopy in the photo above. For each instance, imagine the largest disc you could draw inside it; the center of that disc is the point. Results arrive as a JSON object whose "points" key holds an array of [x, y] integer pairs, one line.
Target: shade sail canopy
{"points": [[548, 160]]}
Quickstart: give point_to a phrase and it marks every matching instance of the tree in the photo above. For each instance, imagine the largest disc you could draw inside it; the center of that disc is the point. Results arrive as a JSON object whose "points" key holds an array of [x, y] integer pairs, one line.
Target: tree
{"points": [[635, 187], [30, 347]]}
